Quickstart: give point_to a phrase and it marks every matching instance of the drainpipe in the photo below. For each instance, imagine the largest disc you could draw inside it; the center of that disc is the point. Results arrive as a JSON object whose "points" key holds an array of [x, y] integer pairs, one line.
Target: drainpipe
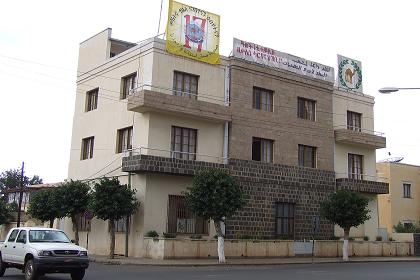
{"points": [[226, 125]]}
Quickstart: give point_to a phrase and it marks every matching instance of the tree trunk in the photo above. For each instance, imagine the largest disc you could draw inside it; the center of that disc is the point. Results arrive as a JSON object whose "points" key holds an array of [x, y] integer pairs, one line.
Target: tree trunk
{"points": [[112, 242], [74, 220], [220, 241], [346, 245], [51, 223]]}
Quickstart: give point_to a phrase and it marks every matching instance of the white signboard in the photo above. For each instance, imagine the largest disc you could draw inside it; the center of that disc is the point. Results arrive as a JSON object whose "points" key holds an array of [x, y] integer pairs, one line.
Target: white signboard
{"points": [[349, 74], [272, 58]]}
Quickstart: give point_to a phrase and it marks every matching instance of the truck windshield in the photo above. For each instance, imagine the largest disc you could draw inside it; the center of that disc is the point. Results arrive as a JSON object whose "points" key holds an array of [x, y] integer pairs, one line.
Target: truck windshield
{"points": [[48, 236]]}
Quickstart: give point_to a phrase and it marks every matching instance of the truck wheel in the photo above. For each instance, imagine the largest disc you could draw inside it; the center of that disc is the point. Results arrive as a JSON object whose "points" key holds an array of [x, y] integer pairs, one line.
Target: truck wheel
{"points": [[78, 275], [30, 271], [2, 267]]}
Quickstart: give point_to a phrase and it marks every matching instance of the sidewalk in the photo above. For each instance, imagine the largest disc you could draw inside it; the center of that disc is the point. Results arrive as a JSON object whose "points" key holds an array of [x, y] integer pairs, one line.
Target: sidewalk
{"points": [[242, 261]]}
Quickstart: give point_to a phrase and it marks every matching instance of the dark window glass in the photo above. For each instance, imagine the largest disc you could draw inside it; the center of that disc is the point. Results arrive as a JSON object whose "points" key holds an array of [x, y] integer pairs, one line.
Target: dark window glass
{"points": [[91, 100], [21, 237], [124, 139], [87, 148], [121, 225], [355, 165], [262, 149], [407, 190], [354, 121], [285, 219], [306, 109], [182, 220], [307, 156], [84, 224], [127, 84], [13, 235], [262, 99], [185, 84], [184, 143]]}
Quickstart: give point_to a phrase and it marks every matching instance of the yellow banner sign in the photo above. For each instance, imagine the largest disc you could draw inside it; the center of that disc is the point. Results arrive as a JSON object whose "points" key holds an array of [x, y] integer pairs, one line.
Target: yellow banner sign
{"points": [[193, 33]]}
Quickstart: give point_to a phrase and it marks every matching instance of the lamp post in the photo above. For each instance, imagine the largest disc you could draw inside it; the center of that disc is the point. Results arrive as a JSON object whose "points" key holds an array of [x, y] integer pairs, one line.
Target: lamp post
{"points": [[387, 90]]}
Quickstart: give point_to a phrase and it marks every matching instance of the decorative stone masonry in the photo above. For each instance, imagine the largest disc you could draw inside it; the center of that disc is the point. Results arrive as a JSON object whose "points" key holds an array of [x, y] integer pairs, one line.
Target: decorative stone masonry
{"points": [[362, 186], [352, 137]]}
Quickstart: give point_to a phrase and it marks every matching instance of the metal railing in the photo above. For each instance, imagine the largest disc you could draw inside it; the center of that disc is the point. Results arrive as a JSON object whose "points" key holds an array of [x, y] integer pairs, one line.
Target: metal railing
{"points": [[171, 91], [174, 154], [359, 129], [360, 176]]}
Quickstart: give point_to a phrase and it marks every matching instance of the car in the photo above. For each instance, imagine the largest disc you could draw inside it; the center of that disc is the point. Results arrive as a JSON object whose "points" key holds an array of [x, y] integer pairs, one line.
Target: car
{"points": [[38, 251]]}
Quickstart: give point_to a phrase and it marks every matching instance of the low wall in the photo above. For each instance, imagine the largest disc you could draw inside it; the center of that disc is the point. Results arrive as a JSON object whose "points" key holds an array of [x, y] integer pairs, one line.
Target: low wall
{"points": [[160, 248], [405, 237]]}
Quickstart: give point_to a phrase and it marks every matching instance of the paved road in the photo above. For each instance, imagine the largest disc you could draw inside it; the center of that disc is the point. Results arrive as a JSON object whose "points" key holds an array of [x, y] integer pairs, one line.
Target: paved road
{"points": [[348, 271]]}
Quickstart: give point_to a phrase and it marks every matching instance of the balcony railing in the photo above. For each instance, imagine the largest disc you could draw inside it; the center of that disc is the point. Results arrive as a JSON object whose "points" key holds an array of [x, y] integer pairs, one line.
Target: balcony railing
{"points": [[359, 129], [360, 176]]}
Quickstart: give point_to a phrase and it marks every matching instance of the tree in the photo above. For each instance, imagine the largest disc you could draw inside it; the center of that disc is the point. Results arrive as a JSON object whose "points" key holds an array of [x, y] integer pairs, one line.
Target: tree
{"points": [[44, 206], [346, 209], [10, 179], [112, 201], [215, 195], [74, 201], [5, 212]]}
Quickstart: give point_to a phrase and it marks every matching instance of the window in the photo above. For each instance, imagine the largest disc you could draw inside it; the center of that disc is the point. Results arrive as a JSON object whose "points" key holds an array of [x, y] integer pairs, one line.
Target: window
{"points": [[91, 100], [306, 109], [307, 156], [354, 121], [127, 84], [124, 139], [22, 237], [262, 149], [285, 219], [87, 148], [84, 224], [407, 190], [184, 143], [181, 220], [262, 99], [121, 225], [185, 84], [13, 235], [355, 165]]}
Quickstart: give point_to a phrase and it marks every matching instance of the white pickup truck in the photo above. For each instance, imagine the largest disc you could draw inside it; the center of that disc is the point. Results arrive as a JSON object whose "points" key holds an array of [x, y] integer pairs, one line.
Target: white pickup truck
{"points": [[37, 251]]}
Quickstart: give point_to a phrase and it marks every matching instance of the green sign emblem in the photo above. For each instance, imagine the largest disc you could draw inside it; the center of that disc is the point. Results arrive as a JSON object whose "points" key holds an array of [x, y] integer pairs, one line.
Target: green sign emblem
{"points": [[350, 75]]}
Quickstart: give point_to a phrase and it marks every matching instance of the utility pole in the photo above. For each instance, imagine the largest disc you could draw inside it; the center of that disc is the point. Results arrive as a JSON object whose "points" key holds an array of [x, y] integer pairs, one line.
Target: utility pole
{"points": [[20, 194], [127, 221]]}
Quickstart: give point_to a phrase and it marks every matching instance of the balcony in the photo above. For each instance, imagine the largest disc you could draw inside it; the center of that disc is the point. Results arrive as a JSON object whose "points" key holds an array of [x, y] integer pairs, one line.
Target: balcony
{"points": [[359, 137], [361, 183], [148, 98], [144, 160]]}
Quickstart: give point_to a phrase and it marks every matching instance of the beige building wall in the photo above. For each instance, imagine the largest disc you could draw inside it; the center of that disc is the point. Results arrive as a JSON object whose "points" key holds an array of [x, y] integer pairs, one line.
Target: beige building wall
{"points": [[394, 207]]}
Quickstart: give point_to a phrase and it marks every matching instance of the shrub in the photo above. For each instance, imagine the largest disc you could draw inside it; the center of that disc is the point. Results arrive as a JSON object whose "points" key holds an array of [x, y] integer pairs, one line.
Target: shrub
{"points": [[152, 233], [196, 236], [169, 235], [391, 239], [351, 238], [366, 238], [378, 238]]}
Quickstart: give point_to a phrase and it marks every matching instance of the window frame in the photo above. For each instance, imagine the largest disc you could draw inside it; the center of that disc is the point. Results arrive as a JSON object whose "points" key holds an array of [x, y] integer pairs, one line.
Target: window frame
{"points": [[352, 168], [180, 153], [264, 155], [120, 137], [302, 155], [290, 219], [257, 99], [120, 225], [406, 190], [183, 90], [124, 92], [83, 223], [302, 110], [87, 153], [354, 121], [91, 102]]}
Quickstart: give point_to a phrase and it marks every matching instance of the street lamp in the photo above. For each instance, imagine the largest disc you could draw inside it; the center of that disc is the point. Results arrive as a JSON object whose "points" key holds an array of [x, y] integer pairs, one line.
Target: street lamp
{"points": [[386, 90]]}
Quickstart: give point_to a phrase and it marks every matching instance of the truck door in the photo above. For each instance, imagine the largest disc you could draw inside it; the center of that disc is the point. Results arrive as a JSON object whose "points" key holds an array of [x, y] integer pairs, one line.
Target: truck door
{"points": [[20, 247], [7, 250]]}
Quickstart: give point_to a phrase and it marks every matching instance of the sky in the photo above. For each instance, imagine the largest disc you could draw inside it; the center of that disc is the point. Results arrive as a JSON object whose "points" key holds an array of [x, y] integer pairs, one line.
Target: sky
{"points": [[39, 43]]}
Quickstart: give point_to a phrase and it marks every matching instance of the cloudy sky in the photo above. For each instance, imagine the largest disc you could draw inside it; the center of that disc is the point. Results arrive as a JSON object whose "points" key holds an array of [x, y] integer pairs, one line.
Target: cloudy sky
{"points": [[39, 48]]}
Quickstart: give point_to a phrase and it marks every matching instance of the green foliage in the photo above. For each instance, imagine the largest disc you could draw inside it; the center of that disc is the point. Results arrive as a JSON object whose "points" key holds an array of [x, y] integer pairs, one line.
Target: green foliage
{"points": [[44, 205], [406, 228], [214, 194], [73, 197], [10, 179], [346, 209], [168, 235], [391, 239], [366, 238], [378, 238], [5, 212], [112, 201], [152, 233]]}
